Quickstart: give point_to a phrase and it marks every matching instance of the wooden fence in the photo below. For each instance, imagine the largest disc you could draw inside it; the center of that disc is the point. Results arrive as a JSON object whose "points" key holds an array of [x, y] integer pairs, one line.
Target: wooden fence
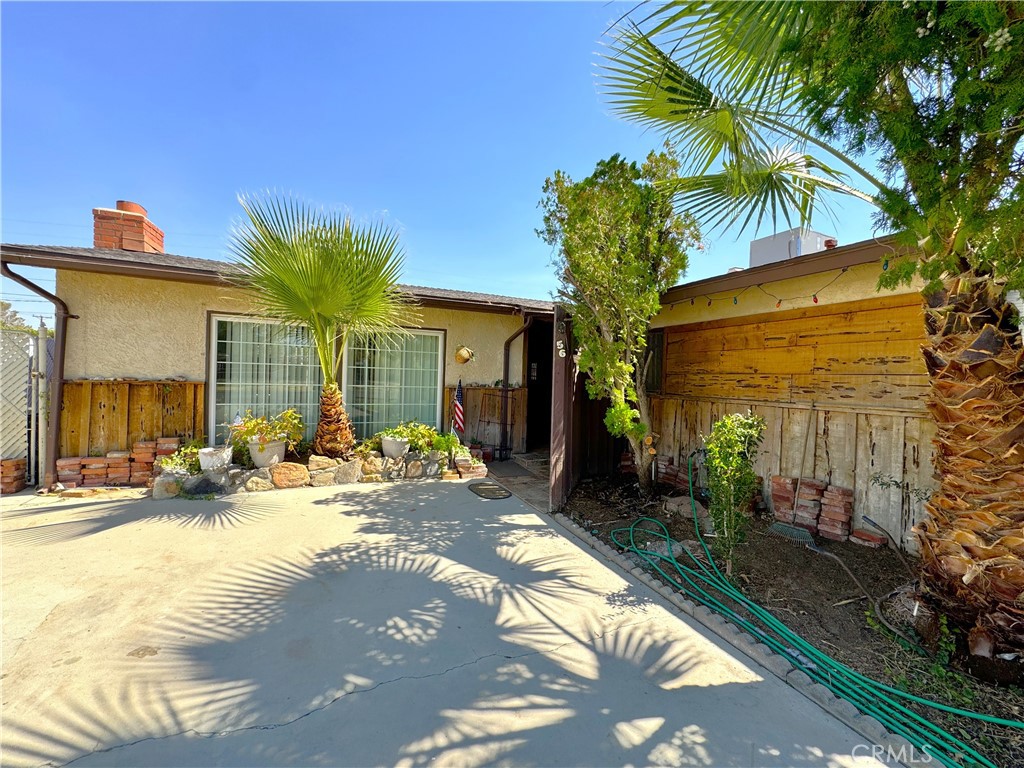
{"points": [[851, 371], [101, 416], [483, 414]]}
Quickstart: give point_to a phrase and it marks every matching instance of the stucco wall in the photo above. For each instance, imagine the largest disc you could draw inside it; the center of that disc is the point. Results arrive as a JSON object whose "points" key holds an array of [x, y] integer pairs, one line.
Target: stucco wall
{"points": [[831, 287], [131, 327]]}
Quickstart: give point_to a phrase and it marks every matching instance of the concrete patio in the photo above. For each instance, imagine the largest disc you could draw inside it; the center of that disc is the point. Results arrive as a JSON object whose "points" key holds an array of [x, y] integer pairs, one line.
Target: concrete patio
{"points": [[401, 624]]}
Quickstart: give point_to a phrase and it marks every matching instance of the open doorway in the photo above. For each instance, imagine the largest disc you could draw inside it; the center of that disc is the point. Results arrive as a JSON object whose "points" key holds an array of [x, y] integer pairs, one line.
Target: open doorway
{"points": [[537, 373]]}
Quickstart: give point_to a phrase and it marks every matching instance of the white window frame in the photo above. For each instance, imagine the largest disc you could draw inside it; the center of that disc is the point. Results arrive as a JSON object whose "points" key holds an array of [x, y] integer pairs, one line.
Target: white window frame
{"points": [[211, 364], [442, 336]]}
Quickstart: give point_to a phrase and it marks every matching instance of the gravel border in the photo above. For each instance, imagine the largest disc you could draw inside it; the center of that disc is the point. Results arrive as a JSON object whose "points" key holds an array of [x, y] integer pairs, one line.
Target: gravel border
{"points": [[865, 725]]}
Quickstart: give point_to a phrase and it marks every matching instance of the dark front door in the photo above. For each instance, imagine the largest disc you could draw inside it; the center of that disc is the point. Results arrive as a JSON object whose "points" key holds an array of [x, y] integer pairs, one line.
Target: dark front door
{"points": [[539, 352]]}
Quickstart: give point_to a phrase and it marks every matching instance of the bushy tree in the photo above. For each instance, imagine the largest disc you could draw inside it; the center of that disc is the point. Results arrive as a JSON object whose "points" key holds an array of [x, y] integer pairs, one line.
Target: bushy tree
{"points": [[773, 102], [619, 244]]}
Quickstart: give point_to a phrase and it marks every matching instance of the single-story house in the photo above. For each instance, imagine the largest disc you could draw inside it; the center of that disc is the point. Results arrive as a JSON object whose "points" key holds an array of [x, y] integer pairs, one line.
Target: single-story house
{"points": [[151, 344]]}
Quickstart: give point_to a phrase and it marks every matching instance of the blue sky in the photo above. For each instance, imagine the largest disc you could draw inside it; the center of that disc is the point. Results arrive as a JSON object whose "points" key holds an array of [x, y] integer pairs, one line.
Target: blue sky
{"points": [[442, 118]]}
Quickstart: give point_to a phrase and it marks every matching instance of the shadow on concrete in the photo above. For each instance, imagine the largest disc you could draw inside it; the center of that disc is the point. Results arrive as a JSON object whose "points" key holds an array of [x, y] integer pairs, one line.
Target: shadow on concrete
{"points": [[442, 635], [98, 517]]}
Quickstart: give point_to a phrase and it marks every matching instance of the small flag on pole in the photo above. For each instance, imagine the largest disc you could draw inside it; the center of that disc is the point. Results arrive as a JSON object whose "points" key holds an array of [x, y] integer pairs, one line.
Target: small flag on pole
{"points": [[458, 412]]}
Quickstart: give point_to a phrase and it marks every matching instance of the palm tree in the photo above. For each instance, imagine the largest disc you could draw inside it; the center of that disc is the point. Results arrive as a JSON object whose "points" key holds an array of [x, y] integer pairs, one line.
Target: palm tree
{"points": [[759, 92], [307, 267]]}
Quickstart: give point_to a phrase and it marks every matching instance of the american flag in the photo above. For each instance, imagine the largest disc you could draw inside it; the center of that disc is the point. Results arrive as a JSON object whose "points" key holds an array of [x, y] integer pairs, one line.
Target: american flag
{"points": [[458, 412]]}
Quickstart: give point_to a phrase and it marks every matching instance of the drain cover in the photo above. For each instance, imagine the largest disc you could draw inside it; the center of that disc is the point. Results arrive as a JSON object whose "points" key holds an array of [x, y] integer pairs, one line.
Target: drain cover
{"points": [[489, 490]]}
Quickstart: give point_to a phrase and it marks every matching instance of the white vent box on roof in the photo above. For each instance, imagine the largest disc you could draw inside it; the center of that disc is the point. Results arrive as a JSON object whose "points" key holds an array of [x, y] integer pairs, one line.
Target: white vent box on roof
{"points": [[791, 244]]}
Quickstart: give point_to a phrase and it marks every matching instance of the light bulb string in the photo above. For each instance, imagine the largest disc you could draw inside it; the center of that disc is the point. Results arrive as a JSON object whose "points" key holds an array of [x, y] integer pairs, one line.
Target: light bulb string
{"points": [[735, 297]]}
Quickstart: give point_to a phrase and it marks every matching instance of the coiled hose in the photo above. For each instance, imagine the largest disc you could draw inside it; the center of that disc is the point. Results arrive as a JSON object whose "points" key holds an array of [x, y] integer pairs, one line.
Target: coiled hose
{"points": [[705, 584]]}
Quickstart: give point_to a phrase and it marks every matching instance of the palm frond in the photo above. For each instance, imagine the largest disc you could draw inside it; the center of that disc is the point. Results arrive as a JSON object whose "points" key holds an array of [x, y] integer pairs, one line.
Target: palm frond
{"points": [[304, 266]]}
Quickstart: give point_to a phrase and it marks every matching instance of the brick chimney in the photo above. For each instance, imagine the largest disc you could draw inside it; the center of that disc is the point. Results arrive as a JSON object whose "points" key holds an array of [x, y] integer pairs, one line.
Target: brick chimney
{"points": [[126, 228]]}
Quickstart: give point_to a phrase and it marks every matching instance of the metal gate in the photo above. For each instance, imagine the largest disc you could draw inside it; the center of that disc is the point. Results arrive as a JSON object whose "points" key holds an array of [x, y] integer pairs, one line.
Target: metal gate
{"points": [[24, 365]]}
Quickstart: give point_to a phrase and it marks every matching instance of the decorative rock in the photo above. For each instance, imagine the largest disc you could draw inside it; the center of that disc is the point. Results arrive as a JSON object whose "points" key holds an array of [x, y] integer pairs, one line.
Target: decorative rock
{"points": [[257, 483], [413, 469], [371, 479], [348, 472], [373, 465], [236, 476], [394, 469], [317, 463], [166, 486], [262, 473], [205, 486], [322, 477], [288, 474]]}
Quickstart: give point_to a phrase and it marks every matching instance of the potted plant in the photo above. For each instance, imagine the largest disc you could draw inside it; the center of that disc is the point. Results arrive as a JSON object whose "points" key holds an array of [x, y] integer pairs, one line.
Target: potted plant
{"points": [[267, 439], [394, 443]]}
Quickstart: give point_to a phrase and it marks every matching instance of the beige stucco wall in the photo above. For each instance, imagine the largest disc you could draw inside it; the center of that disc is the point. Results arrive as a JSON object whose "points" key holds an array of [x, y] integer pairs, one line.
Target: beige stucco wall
{"points": [[831, 287], [131, 327]]}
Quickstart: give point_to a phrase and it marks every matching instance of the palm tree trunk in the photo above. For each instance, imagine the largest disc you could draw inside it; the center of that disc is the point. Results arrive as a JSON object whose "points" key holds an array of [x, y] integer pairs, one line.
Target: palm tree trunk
{"points": [[973, 538], [334, 436]]}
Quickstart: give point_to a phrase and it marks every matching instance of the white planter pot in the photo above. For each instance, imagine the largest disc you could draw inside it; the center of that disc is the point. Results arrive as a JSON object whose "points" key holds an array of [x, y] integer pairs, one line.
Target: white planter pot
{"points": [[272, 453], [1017, 299], [214, 458], [394, 447]]}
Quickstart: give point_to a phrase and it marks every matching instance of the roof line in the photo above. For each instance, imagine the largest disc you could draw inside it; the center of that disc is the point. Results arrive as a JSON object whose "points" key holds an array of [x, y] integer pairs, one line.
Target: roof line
{"points": [[208, 272], [855, 254]]}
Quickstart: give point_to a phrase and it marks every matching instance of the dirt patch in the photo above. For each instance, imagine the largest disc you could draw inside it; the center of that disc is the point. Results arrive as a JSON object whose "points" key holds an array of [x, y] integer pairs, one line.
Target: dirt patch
{"points": [[814, 596]]}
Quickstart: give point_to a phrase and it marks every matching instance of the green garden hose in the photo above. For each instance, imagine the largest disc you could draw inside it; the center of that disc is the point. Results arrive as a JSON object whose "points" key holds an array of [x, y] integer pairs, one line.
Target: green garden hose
{"points": [[704, 583]]}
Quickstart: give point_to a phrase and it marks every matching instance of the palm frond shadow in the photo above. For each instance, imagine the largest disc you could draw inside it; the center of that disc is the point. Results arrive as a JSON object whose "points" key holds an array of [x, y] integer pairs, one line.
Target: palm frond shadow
{"points": [[97, 518], [533, 653]]}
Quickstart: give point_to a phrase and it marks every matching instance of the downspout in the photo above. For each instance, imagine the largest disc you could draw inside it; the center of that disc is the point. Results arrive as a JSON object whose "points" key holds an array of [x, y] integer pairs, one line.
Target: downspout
{"points": [[505, 450], [56, 395]]}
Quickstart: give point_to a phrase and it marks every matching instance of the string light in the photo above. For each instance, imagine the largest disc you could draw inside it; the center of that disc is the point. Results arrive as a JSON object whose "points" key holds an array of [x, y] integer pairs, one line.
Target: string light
{"points": [[735, 300], [885, 265]]}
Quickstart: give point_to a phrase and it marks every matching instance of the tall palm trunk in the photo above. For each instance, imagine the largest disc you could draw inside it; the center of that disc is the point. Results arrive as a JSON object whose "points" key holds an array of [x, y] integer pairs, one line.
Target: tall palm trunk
{"points": [[334, 435], [973, 537]]}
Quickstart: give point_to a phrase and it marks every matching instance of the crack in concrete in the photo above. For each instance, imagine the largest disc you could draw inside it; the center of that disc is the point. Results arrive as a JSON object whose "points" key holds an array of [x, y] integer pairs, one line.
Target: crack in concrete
{"points": [[336, 699]]}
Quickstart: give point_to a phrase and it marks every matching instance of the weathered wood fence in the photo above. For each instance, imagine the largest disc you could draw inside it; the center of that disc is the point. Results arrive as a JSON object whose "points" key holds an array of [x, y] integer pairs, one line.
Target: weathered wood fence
{"points": [[101, 416], [851, 371], [482, 407]]}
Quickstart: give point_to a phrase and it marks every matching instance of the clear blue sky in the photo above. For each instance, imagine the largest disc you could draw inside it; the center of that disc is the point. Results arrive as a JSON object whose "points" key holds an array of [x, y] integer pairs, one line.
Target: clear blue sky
{"points": [[444, 118]]}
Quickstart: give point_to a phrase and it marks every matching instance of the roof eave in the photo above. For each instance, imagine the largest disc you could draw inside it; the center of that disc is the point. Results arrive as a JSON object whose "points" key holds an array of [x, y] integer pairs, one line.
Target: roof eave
{"points": [[855, 254]]}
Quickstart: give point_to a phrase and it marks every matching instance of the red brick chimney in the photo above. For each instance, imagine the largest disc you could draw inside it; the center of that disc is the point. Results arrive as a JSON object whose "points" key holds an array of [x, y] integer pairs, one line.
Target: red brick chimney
{"points": [[126, 228]]}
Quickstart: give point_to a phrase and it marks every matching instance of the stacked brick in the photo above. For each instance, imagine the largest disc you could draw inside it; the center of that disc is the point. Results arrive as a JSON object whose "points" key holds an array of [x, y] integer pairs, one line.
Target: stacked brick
{"points": [[669, 473], [818, 507], [836, 513], [12, 475], [133, 467]]}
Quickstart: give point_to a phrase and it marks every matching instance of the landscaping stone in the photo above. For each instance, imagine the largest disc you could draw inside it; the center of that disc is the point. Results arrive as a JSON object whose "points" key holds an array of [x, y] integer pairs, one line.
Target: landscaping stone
{"points": [[371, 479], [262, 473], [348, 472], [167, 486], [413, 469], [205, 486], [288, 474], [393, 469], [373, 465], [322, 477], [317, 463], [256, 483]]}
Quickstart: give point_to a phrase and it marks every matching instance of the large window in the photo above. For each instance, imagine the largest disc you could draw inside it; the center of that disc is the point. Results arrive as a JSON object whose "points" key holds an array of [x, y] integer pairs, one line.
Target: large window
{"points": [[263, 366], [401, 381]]}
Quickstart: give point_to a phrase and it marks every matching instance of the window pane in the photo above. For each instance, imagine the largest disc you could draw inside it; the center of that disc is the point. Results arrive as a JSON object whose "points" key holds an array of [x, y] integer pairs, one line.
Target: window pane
{"points": [[393, 383], [265, 367]]}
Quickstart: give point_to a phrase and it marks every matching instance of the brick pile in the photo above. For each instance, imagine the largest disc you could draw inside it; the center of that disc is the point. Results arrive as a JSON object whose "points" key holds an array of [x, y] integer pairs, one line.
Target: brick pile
{"points": [[836, 513], [868, 538], [808, 503], [783, 492], [669, 473], [134, 467], [12, 475]]}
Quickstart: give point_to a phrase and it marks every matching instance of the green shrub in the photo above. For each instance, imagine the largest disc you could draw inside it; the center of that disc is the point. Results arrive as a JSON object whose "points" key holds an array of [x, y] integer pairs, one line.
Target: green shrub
{"points": [[286, 427], [731, 449], [186, 458]]}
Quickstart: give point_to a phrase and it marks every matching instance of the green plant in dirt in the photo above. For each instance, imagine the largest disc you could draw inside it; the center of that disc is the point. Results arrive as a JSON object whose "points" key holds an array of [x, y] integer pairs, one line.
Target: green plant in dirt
{"points": [[619, 245], [328, 278], [185, 458], [935, 678], [732, 482], [420, 436], [775, 103], [368, 446], [286, 427]]}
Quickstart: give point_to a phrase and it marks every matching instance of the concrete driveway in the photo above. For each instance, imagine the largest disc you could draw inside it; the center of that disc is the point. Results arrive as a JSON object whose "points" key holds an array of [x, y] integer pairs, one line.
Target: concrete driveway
{"points": [[399, 624]]}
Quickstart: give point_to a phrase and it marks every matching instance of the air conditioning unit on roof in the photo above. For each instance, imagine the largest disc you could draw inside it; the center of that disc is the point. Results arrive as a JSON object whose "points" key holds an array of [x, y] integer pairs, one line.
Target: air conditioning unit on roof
{"points": [[791, 244]]}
